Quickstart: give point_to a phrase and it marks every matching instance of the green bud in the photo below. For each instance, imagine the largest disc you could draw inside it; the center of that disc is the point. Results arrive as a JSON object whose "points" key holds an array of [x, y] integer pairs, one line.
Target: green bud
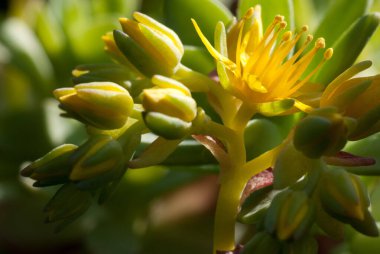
{"points": [[367, 226], [262, 243], [103, 180], [166, 126], [343, 195], [345, 198], [165, 82], [104, 105], [149, 45], [290, 215], [53, 168], [320, 134], [171, 102], [100, 154], [67, 204]]}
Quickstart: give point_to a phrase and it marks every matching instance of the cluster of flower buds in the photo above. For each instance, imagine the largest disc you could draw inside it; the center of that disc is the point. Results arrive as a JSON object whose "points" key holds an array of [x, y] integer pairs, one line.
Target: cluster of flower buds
{"points": [[285, 223], [169, 108], [312, 193], [95, 165]]}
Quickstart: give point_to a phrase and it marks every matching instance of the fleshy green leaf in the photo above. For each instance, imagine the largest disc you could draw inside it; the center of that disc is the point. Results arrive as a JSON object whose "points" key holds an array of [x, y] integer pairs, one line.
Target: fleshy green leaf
{"points": [[306, 13], [261, 135], [206, 12], [339, 17], [348, 47], [198, 59], [27, 52]]}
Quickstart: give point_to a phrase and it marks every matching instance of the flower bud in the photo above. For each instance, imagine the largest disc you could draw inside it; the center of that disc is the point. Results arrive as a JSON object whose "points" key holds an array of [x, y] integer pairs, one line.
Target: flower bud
{"points": [[343, 195], [149, 45], [99, 155], [53, 168], [262, 243], [321, 133], [290, 215], [67, 204], [166, 126], [169, 108], [171, 102], [104, 105]]}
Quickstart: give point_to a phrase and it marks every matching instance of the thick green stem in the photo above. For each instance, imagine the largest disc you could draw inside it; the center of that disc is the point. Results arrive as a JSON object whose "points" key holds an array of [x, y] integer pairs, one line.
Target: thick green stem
{"points": [[226, 212], [231, 189]]}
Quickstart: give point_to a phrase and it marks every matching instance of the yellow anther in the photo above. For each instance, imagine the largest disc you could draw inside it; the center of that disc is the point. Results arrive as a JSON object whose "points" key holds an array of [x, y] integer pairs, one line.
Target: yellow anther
{"points": [[278, 19], [77, 73], [287, 36], [283, 24], [304, 28], [309, 38], [328, 53], [320, 43], [249, 13]]}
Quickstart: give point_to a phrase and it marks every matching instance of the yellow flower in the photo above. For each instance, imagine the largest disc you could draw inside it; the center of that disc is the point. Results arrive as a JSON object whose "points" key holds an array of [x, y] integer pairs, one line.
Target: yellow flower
{"points": [[254, 66]]}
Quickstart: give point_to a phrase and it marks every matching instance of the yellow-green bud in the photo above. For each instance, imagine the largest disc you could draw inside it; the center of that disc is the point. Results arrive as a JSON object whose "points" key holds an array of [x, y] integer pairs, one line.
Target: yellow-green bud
{"points": [[104, 105], [171, 102], [169, 108], [53, 168], [290, 215], [100, 154], [321, 133], [166, 126], [149, 45]]}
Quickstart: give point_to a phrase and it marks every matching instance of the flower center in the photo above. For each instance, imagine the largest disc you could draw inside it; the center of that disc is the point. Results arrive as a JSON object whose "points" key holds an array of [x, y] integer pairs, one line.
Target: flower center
{"points": [[265, 66]]}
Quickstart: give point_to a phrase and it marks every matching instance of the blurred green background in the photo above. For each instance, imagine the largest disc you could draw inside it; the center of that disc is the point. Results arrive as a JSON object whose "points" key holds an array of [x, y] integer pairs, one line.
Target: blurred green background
{"points": [[153, 211]]}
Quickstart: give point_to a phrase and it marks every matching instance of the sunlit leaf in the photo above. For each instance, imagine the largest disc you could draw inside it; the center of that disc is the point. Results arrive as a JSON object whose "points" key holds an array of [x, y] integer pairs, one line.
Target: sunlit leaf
{"points": [[206, 12]]}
